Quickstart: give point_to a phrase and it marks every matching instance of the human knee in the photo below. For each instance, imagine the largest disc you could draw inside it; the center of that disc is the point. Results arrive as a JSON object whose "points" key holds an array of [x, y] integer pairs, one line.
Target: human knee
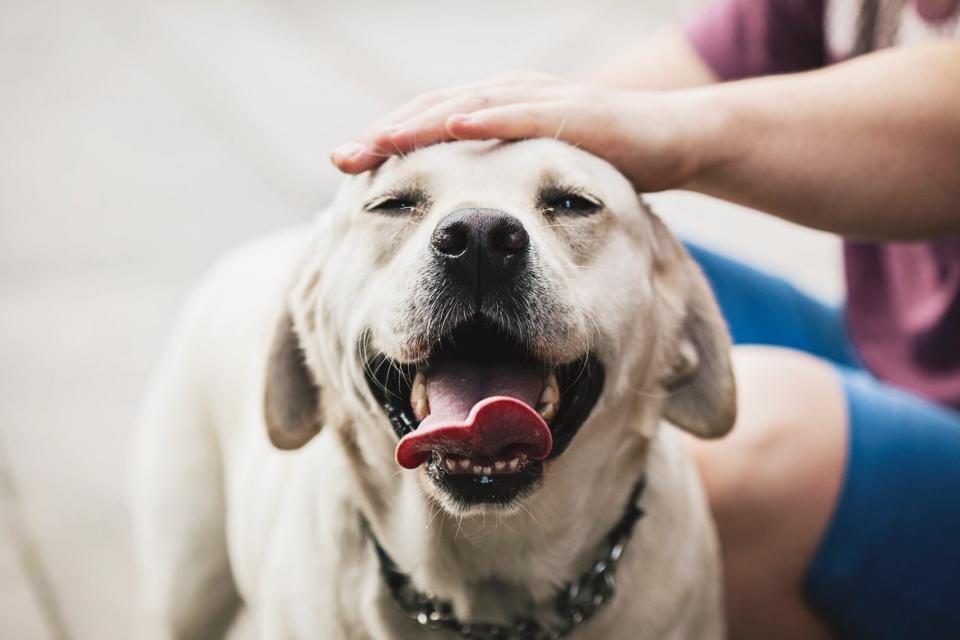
{"points": [[789, 431]]}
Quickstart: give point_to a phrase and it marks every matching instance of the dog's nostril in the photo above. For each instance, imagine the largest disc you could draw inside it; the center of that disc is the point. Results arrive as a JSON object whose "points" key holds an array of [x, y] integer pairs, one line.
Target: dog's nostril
{"points": [[510, 238], [451, 240]]}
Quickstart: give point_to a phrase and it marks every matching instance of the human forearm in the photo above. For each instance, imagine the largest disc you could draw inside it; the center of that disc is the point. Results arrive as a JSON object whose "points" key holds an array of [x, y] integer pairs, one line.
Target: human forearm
{"points": [[869, 148]]}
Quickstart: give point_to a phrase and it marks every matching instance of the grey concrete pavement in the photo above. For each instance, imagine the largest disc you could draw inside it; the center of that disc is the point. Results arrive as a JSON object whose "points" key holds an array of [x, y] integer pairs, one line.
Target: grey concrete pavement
{"points": [[137, 141]]}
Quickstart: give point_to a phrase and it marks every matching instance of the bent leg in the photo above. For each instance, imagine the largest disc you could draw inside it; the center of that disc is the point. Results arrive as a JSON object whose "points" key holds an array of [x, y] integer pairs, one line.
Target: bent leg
{"points": [[772, 484], [889, 564], [835, 501]]}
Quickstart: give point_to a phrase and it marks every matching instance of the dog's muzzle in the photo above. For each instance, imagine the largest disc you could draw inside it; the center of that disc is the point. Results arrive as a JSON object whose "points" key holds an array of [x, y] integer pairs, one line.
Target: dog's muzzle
{"points": [[481, 411]]}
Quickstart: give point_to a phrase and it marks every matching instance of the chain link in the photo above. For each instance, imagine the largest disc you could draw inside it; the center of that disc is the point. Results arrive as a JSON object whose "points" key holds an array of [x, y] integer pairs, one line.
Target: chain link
{"points": [[577, 603]]}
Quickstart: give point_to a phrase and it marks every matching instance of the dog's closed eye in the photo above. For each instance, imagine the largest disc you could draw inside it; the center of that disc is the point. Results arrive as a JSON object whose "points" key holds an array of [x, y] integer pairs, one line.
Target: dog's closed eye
{"points": [[399, 203], [567, 201]]}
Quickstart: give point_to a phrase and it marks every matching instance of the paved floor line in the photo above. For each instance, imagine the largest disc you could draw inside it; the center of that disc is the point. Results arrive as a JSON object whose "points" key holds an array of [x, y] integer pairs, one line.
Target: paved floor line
{"points": [[25, 548]]}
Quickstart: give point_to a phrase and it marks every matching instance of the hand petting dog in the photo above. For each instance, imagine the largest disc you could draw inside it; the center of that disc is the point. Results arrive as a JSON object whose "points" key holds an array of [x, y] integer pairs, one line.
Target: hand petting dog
{"points": [[648, 136]]}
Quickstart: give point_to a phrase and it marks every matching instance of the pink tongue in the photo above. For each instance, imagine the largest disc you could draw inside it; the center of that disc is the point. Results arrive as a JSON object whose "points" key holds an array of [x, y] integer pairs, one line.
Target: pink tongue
{"points": [[479, 412]]}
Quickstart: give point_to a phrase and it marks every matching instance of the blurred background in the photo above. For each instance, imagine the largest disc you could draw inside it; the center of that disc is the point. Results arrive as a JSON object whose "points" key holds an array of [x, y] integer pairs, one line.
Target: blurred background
{"points": [[139, 140]]}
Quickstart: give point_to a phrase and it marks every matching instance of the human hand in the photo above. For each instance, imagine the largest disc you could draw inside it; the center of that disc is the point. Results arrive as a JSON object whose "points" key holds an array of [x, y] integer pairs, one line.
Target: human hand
{"points": [[651, 137]]}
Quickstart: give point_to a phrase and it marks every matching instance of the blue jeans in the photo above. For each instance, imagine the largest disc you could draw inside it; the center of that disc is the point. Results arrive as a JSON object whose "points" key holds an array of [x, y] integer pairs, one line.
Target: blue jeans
{"points": [[888, 565]]}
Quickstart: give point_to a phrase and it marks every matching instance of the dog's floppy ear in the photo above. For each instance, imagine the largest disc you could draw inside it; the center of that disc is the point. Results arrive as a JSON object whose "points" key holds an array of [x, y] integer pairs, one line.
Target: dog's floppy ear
{"points": [[291, 401], [700, 388]]}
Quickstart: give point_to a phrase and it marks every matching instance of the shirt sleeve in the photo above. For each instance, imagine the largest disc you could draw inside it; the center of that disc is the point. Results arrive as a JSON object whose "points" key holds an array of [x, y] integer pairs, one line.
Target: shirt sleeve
{"points": [[745, 38]]}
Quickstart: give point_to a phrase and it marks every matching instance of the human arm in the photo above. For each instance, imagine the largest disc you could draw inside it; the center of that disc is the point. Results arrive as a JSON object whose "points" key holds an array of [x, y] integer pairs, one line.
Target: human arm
{"points": [[869, 148]]}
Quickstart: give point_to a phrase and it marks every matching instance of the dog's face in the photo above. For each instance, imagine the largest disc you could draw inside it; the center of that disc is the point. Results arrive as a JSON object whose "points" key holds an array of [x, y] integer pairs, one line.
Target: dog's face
{"points": [[479, 313]]}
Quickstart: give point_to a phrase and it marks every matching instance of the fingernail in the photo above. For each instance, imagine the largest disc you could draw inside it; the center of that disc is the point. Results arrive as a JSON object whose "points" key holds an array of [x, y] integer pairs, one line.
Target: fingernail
{"points": [[348, 150]]}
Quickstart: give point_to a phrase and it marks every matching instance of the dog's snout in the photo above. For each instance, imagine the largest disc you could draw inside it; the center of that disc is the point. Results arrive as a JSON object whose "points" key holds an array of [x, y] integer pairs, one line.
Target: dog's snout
{"points": [[480, 247]]}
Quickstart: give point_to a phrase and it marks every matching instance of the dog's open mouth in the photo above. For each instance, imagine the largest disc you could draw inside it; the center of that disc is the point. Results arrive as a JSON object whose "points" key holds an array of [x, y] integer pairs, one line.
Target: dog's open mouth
{"points": [[482, 413]]}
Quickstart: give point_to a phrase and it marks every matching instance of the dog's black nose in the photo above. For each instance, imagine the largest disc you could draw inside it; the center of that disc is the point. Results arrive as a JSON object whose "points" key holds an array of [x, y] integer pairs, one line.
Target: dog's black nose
{"points": [[481, 248]]}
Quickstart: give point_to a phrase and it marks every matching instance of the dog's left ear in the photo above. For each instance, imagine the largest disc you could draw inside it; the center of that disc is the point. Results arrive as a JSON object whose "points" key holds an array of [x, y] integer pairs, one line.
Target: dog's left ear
{"points": [[291, 401], [700, 388]]}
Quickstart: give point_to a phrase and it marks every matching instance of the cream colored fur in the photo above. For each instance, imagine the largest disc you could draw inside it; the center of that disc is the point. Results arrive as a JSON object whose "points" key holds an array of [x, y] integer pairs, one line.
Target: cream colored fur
{"points": [[222, 516]]}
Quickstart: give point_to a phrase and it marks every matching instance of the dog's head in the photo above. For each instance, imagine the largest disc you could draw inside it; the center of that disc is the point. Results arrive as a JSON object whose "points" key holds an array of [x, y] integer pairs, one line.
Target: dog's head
{"points": [[478, 312]]}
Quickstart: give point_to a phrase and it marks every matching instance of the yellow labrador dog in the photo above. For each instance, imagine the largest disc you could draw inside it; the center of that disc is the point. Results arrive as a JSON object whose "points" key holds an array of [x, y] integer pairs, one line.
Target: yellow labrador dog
{"points": [[439, 413]]}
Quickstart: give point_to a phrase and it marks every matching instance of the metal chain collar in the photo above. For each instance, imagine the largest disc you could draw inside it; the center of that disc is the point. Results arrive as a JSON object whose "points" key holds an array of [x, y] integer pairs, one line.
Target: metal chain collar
{"points": [[577, 603]]}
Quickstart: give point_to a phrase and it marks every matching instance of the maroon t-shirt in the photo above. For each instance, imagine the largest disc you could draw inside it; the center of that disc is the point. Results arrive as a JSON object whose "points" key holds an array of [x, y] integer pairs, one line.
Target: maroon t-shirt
{"points": [[903, 299]]}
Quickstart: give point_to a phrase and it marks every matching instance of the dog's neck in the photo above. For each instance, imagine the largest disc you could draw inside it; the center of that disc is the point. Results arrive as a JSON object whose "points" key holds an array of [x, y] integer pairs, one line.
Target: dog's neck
{"points": [[502, 564], [576, 603]]}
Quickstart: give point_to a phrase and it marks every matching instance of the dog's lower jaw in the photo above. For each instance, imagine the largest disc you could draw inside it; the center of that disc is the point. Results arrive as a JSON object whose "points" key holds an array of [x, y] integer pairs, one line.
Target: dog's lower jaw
{"points": [[508, 502]]}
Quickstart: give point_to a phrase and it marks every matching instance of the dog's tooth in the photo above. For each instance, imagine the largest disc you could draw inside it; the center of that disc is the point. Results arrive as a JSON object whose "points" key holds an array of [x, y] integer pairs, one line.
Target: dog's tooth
{"points": [[421, 409], [487, 471], [464, 463], [451, 464], [477, 469], [418, 397], [418, 389], [513, 464], [499, 465], [551, 390], [547, 411]]}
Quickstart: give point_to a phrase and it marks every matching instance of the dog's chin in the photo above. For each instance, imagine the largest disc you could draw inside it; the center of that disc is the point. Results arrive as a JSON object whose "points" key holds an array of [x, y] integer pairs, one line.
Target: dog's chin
{"points": [[464, 464], [470, 495]]}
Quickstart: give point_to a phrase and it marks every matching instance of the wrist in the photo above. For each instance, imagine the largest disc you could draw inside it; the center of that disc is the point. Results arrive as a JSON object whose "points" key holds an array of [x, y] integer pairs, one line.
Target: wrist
{"points": [[716, 132]]}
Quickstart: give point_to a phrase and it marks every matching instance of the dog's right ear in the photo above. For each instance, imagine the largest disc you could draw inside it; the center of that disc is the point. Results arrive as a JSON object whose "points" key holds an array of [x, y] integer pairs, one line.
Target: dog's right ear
{"points": [[291, 401]]}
